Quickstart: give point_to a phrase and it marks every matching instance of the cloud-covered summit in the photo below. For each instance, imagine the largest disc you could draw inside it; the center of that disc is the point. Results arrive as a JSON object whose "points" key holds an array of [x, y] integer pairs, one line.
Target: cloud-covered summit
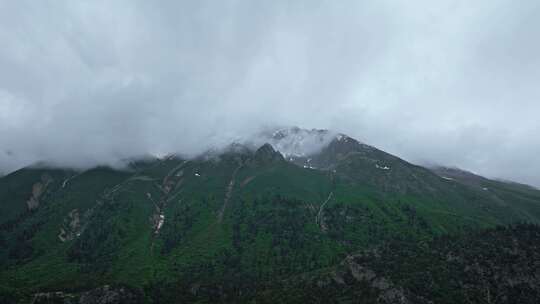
{"points": [[450, 82]]}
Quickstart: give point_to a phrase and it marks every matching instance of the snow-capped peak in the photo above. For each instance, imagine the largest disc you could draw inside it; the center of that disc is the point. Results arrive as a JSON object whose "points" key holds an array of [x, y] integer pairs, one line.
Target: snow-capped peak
{"points": [[296, 142]]}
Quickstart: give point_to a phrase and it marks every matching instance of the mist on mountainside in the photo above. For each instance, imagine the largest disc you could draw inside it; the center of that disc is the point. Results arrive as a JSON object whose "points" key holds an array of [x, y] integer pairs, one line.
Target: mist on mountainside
{"points": [[269, 151], [83, 84]]}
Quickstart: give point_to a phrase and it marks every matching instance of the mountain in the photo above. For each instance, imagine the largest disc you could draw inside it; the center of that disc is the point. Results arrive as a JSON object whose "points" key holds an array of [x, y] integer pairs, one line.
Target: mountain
{"points": [[234, 224], [522, 197]]}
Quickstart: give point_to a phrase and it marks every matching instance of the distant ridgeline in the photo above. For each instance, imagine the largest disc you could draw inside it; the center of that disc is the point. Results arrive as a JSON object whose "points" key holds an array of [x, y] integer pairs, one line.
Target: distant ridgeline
{"points": [[310, 216]]}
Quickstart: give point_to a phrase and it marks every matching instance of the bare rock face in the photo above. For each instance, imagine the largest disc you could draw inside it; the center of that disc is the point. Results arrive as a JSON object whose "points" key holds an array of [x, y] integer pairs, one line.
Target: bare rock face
{"points": [[101, 295], [352, 267], [37, 190], [158, 218], [33, 201], [110, 295], [54, 297], [72, 226], [360, 273]]}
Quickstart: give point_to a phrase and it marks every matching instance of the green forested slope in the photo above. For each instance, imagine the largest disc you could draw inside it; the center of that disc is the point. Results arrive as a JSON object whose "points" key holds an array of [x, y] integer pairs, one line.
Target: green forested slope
{"points": [[226, 223]]}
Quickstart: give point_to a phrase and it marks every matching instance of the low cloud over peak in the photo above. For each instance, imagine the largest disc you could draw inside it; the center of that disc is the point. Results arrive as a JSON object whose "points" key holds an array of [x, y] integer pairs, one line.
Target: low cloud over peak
{"points": [[451, 82]]}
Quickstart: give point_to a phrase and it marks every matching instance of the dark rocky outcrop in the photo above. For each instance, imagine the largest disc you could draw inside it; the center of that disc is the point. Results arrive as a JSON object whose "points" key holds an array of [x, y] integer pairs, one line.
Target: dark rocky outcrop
{"points": [[101, 295], [266, 154]]}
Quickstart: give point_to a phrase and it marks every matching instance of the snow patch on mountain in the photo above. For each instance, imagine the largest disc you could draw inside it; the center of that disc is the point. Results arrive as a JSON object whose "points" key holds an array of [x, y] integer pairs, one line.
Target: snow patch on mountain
{"points": [[296, 142]]}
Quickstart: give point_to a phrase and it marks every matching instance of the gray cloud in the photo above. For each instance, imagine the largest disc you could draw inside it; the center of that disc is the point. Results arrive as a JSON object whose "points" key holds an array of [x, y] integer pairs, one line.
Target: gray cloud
{"points": [[451, 82]]}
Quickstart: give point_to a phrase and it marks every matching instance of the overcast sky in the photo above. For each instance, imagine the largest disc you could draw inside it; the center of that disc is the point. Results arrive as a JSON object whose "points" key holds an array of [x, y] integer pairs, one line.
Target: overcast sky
{"points": [[449, 82]]}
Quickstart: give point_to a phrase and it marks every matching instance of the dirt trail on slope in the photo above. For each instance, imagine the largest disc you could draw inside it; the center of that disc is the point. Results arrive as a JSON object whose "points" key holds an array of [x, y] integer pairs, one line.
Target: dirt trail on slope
{"points": [[170, 182], [319, 219], [228, 194]]}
